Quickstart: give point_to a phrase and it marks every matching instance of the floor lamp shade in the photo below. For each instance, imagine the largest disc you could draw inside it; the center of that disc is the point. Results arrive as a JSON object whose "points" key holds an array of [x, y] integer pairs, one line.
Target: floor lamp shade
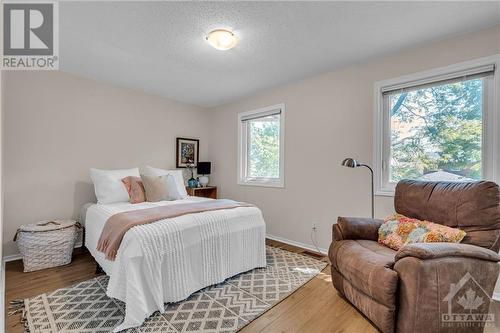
{"points": [[350, 163]]}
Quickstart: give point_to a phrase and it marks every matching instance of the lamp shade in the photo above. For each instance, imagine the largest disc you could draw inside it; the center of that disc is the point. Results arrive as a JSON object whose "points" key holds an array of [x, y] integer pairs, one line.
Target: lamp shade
{"points": [[204, 168], [350, 163]]}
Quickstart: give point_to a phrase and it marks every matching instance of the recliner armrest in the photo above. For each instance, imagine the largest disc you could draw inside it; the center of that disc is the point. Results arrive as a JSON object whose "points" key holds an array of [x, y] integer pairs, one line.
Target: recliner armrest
{"points": [[426, 251], [356, 228], [432, 273]]}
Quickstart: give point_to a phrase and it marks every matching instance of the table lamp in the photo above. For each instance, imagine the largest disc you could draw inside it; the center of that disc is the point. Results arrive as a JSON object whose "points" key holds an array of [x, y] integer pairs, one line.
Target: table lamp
{"points": [[204, 169]]}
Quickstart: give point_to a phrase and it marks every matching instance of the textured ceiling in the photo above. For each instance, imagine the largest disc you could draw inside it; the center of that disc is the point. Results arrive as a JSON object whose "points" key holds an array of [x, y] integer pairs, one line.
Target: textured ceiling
{"points": [[158, 47]]}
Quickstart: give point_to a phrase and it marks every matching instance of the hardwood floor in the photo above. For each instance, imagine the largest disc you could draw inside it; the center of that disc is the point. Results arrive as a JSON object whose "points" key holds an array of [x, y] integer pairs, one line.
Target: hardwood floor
{"points": [[314, 307], [20, 285]]}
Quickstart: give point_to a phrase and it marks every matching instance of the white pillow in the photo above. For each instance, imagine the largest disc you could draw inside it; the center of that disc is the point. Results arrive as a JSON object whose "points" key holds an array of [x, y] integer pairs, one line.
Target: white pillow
{"points": [[173, 189], [160, 188], [108, 184], [179, 179]]}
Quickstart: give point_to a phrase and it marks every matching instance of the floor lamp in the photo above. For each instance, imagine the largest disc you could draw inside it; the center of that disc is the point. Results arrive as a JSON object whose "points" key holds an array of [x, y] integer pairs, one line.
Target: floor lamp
{"points": [[352, 163]]}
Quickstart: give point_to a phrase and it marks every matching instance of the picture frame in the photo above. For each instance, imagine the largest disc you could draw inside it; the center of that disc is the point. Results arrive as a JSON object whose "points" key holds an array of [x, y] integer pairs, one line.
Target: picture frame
{"points": [[187, 152]]}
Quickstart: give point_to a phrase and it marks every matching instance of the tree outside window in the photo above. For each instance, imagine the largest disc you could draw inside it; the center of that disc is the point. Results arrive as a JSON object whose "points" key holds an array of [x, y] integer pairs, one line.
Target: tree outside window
{"points": [[436, 132]]}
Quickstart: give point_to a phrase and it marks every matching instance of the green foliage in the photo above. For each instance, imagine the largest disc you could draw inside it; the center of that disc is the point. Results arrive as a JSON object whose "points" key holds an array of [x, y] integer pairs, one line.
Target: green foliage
{"points": [[264, 148], [437, 128]]}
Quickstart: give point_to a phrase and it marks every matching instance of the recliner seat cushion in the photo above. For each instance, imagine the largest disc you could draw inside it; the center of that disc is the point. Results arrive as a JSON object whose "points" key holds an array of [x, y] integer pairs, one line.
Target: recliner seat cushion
{"points": [[367, 265]]}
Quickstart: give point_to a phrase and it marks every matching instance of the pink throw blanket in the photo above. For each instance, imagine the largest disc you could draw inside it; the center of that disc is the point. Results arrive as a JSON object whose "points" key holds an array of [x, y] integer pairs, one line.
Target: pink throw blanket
{"points": [[117, 225]]}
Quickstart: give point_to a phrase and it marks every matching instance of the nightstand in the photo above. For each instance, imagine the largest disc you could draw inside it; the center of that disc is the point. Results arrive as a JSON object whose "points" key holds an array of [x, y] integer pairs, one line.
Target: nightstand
{"points": [[206, 192]]}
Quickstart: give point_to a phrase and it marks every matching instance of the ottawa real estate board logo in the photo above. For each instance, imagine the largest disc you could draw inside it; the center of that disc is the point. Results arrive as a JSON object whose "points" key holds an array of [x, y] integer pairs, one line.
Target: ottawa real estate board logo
{"points": [[30, 35], [467, 305]]}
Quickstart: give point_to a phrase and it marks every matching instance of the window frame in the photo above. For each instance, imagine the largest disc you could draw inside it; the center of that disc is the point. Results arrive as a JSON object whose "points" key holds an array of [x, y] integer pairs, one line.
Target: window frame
{"points": [[491, 121], [243, 137]]}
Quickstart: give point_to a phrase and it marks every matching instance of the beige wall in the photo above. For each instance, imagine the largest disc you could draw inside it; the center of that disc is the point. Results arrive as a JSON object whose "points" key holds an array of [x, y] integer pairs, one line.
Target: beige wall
{"points": [[328, 118], [57, 126]]}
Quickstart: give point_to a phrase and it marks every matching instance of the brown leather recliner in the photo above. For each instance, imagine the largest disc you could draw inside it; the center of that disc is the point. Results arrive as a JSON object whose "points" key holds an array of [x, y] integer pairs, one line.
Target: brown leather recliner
{"points": [[424, 287]]}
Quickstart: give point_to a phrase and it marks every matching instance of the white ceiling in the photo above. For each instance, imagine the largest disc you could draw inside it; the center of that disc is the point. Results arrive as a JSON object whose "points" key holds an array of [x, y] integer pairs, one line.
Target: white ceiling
{"points": [[158, 47]]}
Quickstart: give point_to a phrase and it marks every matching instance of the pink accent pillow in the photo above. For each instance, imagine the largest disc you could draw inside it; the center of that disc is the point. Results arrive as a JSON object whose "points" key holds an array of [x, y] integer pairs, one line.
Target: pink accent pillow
{"points": [[135, 189]]}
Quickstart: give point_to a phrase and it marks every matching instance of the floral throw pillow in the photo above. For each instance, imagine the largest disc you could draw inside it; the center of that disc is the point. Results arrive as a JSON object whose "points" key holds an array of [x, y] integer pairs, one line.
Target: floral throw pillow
{"points": [[399, 230]]}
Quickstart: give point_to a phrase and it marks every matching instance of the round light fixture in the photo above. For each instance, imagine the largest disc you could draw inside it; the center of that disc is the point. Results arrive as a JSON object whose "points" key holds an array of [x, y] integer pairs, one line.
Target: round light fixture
{"points": [[221, 39]]}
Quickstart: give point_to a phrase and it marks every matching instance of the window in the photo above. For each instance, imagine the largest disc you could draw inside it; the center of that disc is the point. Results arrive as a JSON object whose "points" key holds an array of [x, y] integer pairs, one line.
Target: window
{"points": [[438, 126], [261, 140]]}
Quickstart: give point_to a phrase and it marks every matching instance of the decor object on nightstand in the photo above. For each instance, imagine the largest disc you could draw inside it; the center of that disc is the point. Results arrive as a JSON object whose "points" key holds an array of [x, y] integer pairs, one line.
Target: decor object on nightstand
{"points": [[352, 163], [205, 192], [191, 181], [204, 169], [187, 152], [47, 243]]}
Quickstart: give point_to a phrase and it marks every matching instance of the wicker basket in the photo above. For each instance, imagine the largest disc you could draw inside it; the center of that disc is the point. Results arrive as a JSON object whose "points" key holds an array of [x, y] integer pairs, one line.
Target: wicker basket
{"points": [[47, 243]]}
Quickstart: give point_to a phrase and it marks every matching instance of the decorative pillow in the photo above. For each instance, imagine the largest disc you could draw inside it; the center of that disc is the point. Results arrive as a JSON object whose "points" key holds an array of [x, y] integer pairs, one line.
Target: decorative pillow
{"points": [[399, 230], [135, 189], [108, 184], [179, 178], [160, 188]]}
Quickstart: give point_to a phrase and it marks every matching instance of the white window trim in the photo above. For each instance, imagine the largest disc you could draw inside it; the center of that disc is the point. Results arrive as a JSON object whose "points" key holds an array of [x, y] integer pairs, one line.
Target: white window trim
{"points": [[491, 123], [242, 155]]}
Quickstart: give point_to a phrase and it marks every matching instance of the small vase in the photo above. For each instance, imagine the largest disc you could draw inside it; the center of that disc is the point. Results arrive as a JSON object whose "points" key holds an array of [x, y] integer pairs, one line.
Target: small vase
{"points": [[191, 182]]}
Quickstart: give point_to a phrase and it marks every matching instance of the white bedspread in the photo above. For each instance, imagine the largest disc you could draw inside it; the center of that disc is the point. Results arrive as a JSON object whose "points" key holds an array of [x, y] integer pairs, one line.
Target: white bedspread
{"points": [[168, 260]]}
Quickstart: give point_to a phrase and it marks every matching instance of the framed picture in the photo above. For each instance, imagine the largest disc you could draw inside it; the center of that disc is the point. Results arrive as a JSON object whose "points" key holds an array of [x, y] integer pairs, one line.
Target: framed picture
{"points": [[187, 152]]}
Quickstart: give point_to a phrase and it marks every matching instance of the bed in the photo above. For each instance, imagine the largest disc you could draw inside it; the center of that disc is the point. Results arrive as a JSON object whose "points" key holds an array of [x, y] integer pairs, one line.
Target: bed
{"points": [[168, 260]]}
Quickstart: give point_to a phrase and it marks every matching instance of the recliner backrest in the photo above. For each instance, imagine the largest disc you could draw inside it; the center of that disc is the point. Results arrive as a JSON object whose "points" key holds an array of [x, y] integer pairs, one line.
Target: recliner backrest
{"points": [[471, 206]]}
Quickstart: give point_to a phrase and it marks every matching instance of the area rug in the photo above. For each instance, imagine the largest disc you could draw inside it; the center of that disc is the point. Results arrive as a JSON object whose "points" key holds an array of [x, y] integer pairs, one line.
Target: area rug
{"points": [[226, 307]]}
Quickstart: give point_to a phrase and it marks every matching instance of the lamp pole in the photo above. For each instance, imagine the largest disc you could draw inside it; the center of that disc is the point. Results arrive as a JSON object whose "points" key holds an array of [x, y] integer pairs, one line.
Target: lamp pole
{"points": [[352, 163], [373, 203]]}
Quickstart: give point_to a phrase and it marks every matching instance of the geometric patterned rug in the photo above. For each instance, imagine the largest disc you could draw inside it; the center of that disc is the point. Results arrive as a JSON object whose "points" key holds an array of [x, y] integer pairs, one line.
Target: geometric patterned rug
{"points": [[225, 307]]}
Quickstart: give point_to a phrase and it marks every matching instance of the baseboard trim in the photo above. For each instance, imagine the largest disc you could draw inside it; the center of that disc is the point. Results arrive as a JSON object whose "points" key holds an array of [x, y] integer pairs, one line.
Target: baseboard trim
{"points": [[304, 246], [17, 256], [12, 257]]}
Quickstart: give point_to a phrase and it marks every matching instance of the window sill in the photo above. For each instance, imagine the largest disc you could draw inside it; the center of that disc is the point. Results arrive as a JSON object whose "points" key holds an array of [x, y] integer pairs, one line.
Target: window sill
{"points": [[384, 193], [276, 184]]}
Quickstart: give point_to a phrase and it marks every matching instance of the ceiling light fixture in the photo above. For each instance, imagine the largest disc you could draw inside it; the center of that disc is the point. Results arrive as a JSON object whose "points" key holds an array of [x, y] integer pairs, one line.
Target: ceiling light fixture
{"points": [[221, 39]]}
